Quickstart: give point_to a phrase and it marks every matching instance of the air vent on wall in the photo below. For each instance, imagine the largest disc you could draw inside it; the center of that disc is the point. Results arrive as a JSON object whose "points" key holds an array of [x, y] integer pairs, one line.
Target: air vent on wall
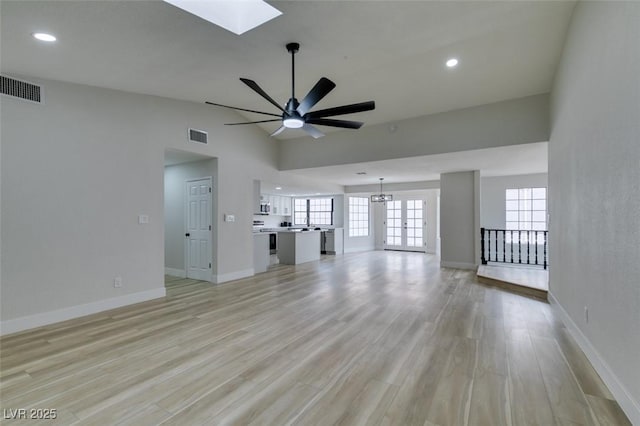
{"points": [[197, 136], [20, 89]]}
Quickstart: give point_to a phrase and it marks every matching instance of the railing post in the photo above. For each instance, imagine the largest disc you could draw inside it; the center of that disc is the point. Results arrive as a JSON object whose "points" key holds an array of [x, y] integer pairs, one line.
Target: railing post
{"points": [[482, 258], [496, 231], [519, 246], [528, 244], [535, 235], [511, 246], [504, 250]]}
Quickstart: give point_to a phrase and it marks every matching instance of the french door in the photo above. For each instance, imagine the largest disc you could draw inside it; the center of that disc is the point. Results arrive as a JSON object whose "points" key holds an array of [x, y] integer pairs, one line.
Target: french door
{"points": [[405, 225]]}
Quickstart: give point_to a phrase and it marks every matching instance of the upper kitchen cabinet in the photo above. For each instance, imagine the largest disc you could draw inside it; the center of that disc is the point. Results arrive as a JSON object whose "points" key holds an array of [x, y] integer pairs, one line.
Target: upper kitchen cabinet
{"points": [[274, 201], [286, 206], [280, 205]]}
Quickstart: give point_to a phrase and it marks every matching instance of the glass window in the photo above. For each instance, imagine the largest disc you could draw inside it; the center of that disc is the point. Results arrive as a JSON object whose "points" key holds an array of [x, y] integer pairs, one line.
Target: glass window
{"points": [[526, 210], [300, 211], [313, 211], [358, 217]]}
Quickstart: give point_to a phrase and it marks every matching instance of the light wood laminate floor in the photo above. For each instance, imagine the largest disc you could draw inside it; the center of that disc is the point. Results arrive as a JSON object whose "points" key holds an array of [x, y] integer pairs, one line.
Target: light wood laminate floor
{"points": [[379, 338]]}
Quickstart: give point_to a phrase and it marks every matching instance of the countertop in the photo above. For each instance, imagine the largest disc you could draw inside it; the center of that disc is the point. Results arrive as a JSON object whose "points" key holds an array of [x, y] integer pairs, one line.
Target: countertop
{"points": [[289, 229]]}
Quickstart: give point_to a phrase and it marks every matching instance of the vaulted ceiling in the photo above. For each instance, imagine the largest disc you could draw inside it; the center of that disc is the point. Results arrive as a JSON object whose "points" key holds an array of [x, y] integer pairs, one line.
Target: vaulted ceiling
{"points": [[392, 52]]}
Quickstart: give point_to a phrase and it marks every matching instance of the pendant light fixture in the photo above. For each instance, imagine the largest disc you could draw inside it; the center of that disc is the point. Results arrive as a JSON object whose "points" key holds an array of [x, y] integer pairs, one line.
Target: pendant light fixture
{"points": [[381, 198]]}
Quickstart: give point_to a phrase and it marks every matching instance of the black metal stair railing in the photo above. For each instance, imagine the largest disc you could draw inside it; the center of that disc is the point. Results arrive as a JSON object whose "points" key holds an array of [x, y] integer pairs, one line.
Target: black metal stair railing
{"points": [[514, 246]]}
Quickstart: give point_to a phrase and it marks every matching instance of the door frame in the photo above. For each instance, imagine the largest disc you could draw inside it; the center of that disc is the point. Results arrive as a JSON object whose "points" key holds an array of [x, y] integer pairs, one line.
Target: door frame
{"points": [[403, 209], [186, 225]]}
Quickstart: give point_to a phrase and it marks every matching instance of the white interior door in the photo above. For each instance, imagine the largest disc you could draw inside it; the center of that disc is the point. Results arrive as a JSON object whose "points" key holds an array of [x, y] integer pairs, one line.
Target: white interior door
{"points": [[198, 229], [405, 225]]}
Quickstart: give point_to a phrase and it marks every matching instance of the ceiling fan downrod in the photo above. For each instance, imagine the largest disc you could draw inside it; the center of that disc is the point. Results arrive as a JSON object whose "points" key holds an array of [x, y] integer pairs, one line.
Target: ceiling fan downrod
{"points": [[293, 49]]}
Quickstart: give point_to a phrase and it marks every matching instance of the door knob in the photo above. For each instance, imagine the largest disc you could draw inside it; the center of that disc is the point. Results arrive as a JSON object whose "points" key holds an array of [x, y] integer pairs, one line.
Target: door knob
{"points": [[187, 234]]}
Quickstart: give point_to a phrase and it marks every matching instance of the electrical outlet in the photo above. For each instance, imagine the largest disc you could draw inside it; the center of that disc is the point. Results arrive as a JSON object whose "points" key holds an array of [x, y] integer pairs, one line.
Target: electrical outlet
{"points": [[586, 314], [117, 282], [143, 218]]}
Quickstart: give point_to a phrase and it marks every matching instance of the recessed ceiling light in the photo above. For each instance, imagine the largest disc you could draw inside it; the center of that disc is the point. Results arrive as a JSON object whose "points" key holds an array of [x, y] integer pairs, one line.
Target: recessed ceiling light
{"points": [[235, 16], [452, 62], [44, 37], [278, 188]]}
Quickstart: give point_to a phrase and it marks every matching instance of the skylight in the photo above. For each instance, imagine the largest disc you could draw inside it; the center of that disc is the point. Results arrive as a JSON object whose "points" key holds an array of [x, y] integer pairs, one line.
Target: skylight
{"points": [[237, 16]]}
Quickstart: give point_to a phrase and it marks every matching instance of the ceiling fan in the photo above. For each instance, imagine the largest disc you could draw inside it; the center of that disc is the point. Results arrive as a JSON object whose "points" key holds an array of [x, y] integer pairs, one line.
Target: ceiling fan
{"points": [[296, 115]]}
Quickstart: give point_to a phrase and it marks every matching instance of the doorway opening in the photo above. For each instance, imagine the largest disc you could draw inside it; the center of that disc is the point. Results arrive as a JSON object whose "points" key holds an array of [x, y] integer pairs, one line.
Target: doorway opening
{"points": [[189, 207]]}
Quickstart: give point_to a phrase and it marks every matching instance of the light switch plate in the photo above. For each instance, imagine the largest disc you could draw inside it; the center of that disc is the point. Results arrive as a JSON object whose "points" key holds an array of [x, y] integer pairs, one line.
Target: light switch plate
{"points": [[143, 218], [229, 218]]}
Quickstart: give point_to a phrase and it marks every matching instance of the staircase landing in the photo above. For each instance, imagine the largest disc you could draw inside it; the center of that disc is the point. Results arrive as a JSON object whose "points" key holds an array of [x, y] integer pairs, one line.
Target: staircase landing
{"points": [[525, 280]]}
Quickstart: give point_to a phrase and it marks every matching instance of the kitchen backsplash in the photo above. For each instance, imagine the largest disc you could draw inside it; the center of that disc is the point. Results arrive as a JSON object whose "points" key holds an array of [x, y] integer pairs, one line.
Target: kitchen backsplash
{"points": [[272, 220]]}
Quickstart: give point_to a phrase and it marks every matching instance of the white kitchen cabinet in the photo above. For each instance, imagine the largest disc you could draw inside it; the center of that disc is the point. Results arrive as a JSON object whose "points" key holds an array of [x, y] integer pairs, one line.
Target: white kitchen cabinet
{"points": [[280, 205], [334, 241], [298, 247], [286, 206], [276, 208]]}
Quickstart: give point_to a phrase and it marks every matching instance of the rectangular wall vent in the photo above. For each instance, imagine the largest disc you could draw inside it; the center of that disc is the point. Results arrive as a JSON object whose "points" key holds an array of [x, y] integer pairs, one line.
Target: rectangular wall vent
{"points": [[197, 136], [20, 89]]}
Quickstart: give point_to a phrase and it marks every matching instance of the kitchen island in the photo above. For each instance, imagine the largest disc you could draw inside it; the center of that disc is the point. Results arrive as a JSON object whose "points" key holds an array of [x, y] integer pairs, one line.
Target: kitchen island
{"points": [[296, 247], [260, 252]]}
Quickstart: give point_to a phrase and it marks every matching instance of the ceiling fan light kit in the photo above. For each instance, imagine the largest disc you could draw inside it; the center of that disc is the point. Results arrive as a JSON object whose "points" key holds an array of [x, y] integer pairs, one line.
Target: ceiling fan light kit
{"points": [[297, 115], [293, 123]]}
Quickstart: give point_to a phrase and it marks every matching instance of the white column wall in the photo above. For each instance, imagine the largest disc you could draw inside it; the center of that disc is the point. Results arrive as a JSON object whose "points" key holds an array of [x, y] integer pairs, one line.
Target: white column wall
{"points": [[459, 219]]}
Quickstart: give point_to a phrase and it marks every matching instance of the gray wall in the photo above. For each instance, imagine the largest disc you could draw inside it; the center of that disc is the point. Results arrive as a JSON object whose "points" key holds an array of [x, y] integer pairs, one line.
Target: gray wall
{"points": [[78, 170], [459, 208], [518, 121], [174, 208], [594, 175], [493, 195]]}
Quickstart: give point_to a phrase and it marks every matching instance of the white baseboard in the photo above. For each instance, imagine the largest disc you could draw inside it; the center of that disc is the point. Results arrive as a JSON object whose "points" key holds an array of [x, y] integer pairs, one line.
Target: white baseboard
{"points": [[175, 272], [236, 275], [630, 406], [46, 318], [359, 249], [458, 265]]}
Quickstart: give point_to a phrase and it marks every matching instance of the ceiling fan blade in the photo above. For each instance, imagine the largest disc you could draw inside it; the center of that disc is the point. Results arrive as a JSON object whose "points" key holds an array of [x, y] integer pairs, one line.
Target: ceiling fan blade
{"points": [[242, 109], [336, 123], [312, 131], [252, 122], [341, 110], [319, 91], [277, 132], [261, 92]]}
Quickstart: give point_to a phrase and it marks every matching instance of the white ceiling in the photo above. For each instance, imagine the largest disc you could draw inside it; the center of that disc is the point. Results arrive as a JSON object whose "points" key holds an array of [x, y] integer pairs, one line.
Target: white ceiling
{"points": [[503, 161], [392, 52]]}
